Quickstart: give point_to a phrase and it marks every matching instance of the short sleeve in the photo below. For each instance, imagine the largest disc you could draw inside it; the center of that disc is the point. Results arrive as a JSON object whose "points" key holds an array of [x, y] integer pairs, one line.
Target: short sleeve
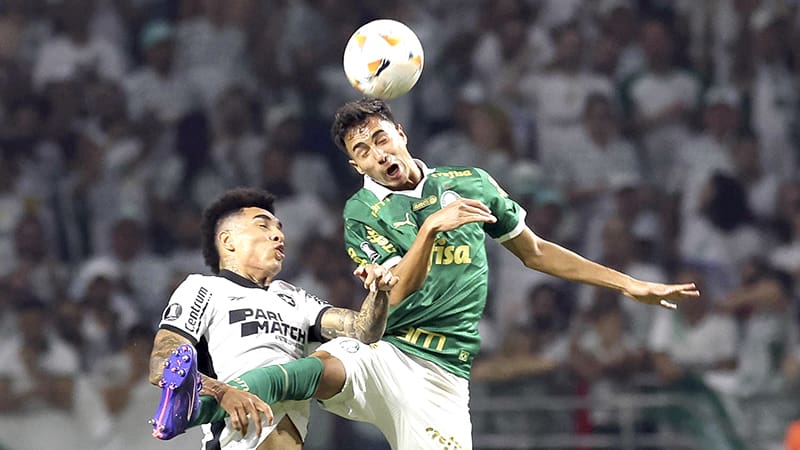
{"points": [[315, 307], [309, 306], [187, 311], [510, 215]]}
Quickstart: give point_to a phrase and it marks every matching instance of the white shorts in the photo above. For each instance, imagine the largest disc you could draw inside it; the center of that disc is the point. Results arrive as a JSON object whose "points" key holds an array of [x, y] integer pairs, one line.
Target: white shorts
{"points": [[415, 403], [230, 439]]}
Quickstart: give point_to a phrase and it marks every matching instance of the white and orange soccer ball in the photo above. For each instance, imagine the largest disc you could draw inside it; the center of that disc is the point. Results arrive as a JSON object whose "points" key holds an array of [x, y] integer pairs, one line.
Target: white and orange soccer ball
{"points": [[383, 59]]}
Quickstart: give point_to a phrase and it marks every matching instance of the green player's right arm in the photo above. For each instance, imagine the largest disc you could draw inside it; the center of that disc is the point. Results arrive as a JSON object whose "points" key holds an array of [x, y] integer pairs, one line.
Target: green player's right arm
{"points": [[414, 265]]}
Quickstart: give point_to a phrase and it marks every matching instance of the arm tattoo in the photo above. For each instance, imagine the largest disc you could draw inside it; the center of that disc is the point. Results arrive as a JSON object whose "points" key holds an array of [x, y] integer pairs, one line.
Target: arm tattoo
{"points": [[366, 325], [167, 341], [164, 343], [213, 387]]}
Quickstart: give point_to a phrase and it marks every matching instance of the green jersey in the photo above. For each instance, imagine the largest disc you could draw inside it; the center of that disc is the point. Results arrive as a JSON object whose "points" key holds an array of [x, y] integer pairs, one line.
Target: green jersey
{"points": [[440, 321]]}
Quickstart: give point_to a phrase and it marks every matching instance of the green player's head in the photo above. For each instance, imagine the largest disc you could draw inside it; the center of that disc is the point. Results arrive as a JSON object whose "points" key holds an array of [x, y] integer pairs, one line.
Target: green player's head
{"points": [[368, 133]]}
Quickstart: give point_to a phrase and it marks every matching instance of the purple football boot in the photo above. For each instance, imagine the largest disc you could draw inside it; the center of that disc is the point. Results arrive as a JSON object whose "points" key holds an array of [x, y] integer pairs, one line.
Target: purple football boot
{"points": [[180, 394]]}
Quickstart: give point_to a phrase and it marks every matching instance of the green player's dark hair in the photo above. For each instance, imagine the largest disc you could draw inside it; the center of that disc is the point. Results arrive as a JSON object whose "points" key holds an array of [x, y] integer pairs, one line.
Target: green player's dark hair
{"points": [[355, 113]]}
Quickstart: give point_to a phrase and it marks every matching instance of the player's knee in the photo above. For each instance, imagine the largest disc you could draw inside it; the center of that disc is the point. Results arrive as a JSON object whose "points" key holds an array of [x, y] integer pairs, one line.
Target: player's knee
{"points": [[333, 376]]}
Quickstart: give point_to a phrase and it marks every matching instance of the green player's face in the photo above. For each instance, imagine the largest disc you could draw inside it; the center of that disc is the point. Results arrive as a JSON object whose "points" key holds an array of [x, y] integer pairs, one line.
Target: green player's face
{"points": [[378, 148]]}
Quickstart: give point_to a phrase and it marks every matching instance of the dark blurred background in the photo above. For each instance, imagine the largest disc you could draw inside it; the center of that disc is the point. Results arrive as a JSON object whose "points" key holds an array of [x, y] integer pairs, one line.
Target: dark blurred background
{"points": [[658, 137]]}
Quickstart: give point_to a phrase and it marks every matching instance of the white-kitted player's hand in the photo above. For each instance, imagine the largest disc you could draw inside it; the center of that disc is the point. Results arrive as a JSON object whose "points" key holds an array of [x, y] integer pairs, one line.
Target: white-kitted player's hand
{"points": [[375, 277], [242, 406]]}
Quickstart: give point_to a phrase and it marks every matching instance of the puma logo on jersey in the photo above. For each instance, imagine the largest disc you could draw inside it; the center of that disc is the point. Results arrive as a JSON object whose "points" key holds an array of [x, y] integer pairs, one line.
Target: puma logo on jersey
{"points": [[404, 222], [233, 298]]}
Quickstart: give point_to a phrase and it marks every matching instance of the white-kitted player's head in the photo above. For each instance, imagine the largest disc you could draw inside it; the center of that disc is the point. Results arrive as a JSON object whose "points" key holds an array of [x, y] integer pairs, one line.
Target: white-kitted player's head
{"points": [[242, 234]]}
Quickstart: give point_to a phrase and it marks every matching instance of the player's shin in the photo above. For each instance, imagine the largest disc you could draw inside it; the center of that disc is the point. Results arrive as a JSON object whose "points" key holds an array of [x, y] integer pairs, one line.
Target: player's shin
{"points": [[297, 380]]}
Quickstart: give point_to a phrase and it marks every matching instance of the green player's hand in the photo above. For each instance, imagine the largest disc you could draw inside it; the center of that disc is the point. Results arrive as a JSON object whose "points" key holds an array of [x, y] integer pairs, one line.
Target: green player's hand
{"points": [[460, 212], [664, 295], [375, 277]]}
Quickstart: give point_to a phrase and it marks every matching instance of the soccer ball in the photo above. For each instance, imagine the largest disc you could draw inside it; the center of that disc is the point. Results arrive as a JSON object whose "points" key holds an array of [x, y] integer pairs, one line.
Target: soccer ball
{"points": [[383, 59]]}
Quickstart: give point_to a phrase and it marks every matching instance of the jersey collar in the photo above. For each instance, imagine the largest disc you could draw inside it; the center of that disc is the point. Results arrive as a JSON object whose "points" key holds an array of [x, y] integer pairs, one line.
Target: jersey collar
{"points": [[240, 280], [382, 192]]}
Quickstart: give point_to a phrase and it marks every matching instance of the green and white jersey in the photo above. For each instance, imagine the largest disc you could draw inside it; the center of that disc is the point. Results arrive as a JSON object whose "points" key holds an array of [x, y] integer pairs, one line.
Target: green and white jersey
{"points": [[440, 321]]}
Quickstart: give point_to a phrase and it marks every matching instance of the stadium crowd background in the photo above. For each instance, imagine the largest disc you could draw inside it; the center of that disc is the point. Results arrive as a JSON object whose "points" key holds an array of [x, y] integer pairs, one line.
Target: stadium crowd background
{"points": [[658, 137]]}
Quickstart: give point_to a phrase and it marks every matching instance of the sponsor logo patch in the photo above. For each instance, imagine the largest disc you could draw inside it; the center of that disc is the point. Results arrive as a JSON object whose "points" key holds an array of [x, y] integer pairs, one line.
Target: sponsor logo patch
{"points": [[260, 321], [371, 253], [198, 308], [172, 312], [446, 442], [424, 203]]}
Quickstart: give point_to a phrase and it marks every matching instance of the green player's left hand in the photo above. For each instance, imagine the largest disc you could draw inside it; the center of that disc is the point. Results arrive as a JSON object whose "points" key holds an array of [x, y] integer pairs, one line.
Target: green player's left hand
{"points": [[664, 295]]}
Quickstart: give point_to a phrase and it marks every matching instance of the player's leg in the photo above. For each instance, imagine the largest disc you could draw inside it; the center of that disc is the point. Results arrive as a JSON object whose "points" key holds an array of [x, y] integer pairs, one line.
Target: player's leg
{"points": [[440, 417], [284, 437], [377, 389], [414, 403], [319, 374]]}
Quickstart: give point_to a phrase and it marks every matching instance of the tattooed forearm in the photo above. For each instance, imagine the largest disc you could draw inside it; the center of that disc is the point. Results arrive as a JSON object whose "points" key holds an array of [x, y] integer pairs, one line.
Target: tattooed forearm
{"points": [[163, 345], [366, 325], [213, 387]]}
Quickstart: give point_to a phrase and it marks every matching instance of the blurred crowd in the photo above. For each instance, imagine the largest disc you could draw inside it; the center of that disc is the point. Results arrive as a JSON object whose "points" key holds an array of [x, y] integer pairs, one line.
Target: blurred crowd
{"points": [[657, 137]]}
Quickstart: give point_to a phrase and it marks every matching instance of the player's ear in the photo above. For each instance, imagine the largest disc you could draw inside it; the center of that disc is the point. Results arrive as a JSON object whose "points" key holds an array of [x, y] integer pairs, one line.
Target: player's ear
{"points": [[402, 133], [355, 166], [225, 240]]}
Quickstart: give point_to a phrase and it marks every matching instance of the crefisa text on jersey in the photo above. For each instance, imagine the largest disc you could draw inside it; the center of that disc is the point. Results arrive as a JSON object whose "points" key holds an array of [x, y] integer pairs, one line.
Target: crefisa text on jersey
{"points": [[260, 321]]}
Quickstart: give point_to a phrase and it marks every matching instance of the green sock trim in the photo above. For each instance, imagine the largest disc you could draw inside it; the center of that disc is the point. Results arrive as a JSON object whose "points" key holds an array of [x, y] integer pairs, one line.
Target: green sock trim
{"points": [[285, 382], [296, 380]]}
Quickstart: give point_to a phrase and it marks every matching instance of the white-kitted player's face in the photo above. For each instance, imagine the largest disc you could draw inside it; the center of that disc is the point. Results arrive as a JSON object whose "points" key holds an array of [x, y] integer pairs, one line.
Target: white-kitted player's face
{"points": [[378, 148], [254, 238]]}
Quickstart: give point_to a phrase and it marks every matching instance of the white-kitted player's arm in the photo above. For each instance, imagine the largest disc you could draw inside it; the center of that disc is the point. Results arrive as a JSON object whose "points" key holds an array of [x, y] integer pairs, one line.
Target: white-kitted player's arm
{"points": [[164, 343], [368, 324], [238, 404]]}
